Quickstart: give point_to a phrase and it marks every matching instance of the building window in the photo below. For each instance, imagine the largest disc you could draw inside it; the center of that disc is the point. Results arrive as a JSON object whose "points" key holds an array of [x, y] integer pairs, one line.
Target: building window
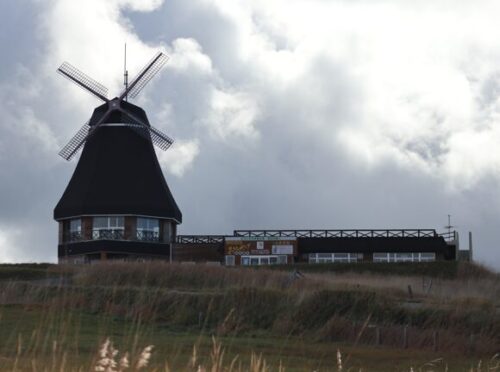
{"points": [[108, 227], [282, 259], [404, 257], [263, 260], [74, 232], [335, 257], [148, 229], [230, 260]]}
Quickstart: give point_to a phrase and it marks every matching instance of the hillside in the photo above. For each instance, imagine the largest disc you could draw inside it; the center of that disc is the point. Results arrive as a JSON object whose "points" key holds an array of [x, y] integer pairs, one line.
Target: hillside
{"points": [[380, 317]]}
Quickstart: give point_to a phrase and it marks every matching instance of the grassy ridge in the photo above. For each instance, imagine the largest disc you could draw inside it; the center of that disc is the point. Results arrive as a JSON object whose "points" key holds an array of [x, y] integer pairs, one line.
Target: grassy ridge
{"points": [[162, 304], [25, 271]]}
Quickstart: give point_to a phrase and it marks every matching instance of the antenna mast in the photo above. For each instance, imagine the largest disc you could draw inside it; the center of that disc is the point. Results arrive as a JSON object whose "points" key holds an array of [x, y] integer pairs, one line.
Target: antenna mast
{"points": [[125, 73], [449, 226]]}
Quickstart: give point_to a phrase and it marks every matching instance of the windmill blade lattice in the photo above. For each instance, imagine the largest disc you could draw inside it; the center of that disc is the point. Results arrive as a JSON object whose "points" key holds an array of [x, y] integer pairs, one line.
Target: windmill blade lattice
{"points": [[158, 138], [75, 143], [146, 74], [84, 81]]}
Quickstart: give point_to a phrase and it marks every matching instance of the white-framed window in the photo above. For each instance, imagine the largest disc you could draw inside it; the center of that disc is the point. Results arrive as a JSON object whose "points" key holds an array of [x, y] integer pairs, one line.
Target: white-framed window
{"points": [[262, 260], [148, 229], [404, 257], [108, 227], [108, 223], [282, 259], [334, 257], [230, 260], [427, 257]]}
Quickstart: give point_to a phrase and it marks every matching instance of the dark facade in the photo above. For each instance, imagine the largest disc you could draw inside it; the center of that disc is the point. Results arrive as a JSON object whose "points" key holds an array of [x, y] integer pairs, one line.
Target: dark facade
{"points": [[266, 247]]}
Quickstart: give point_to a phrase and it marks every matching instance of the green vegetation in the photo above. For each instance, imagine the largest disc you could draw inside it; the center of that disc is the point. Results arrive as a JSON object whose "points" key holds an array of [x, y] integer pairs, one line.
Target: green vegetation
{"points": [[24, 271], [443, 269], [376, 322]]}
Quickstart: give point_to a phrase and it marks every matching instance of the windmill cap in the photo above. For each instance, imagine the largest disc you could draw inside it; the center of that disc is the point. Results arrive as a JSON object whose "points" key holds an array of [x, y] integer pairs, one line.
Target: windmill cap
{"points": [[117, 111]]}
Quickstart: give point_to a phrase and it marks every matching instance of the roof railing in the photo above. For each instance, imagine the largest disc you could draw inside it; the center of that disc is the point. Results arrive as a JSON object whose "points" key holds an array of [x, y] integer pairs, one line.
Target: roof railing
{"points": [[200, 239], [351, 233], [318, 233]]}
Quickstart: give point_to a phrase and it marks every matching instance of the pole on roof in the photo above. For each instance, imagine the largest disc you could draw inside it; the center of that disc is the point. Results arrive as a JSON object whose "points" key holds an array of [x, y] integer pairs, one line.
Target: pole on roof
{"points": [[470, 247]]}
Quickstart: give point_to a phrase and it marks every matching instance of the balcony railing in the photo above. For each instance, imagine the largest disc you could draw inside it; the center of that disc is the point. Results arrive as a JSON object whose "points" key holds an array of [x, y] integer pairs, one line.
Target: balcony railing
{"points": [[108, 234], [148, 236], [73, 236], [113, 234]]}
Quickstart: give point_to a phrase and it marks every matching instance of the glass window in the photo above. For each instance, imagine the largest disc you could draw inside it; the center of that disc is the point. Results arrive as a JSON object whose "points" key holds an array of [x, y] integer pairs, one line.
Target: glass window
{"points": [[100, 223], [254, 261], [404, 257], [73, 232], [380, 257], [148, 224], [116, 222], [148, 229], [111, 222], [75, 225], [245, 260], [282, 260], [230, 260], [427, 256], [108, 227], [334, 257]]}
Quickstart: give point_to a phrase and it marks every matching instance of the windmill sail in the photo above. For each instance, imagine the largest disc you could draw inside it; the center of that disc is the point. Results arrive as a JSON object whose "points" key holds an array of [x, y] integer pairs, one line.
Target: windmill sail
{"points": [[84, 81], [75, 143], [146, 74]]}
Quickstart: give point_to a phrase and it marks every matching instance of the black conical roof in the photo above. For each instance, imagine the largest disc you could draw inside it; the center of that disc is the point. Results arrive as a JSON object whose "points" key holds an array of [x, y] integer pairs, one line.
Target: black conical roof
{"points": [[118, 172]]}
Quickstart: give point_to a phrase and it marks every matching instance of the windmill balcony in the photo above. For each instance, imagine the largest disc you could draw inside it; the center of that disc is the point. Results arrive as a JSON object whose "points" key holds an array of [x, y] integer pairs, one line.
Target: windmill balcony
{"points": [[113, 234], [73, 236], [108, 234], [148, 236]]}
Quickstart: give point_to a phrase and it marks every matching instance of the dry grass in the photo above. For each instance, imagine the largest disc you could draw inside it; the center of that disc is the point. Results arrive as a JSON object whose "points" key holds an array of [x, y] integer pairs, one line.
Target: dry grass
{"points": [[452, 316]]}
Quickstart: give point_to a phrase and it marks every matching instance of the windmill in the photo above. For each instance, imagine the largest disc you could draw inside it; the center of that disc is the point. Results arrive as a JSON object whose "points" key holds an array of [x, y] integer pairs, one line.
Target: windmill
{"points": [[117, 203]]}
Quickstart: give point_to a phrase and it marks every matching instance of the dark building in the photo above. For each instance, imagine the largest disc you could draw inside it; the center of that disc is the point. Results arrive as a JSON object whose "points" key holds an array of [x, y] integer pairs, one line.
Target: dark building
{"points": [[268, 247], [117, 204]]}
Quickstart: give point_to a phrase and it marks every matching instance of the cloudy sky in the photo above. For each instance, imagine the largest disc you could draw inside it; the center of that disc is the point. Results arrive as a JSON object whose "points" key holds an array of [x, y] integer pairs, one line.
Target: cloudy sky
{"points": [[286, 113]]}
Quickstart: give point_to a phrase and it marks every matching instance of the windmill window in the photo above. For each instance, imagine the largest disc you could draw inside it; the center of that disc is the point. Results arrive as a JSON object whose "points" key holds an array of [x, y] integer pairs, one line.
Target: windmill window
{"points": [[148, 229], [75, 230], [75, 225], [108, 227]]}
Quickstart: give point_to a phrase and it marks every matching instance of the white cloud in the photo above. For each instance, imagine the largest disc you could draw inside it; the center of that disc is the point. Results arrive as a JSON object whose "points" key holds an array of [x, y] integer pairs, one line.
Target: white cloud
{"points": [[231, 115], [9, 251], [179, 157], [420, 71], [187, 57]]}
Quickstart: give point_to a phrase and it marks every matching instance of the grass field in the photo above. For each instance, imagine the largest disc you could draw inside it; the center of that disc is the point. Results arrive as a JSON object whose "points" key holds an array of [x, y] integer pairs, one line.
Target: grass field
{"points": [[56, 317]]}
